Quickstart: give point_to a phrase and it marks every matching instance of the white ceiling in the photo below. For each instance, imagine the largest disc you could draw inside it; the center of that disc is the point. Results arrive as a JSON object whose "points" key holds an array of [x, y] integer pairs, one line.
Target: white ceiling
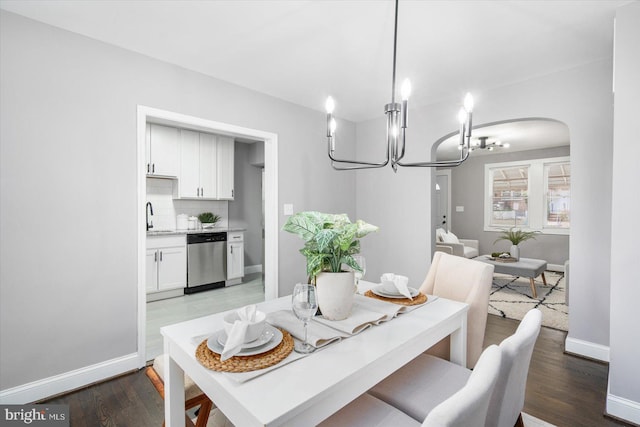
{"points": [[302, 51]]}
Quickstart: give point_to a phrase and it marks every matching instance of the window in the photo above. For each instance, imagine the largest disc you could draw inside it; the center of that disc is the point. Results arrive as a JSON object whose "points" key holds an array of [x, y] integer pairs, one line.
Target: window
{"points": [[532, 195], [558, 190], [510, 189]]}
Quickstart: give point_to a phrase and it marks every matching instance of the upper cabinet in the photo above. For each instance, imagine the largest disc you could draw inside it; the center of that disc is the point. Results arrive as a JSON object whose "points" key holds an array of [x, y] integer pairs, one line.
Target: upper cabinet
{"points": [[197, 178], [225, 167], [162, 151], [206, 166]]}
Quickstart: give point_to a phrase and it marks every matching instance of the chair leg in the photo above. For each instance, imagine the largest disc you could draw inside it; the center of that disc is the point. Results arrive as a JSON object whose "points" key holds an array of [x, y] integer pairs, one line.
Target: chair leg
{"points": [[544, 279], [533, 287], [519, 421], [203, 415], [205, 403]]}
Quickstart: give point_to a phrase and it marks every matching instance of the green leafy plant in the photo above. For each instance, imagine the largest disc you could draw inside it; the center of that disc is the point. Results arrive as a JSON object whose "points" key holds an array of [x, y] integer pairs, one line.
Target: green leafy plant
{"points": [[330, 240], [516, 236], [208, 218]]}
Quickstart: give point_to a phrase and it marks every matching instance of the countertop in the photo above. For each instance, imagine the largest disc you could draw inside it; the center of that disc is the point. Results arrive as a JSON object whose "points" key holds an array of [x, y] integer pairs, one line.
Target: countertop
{"points": [[153, 233]]}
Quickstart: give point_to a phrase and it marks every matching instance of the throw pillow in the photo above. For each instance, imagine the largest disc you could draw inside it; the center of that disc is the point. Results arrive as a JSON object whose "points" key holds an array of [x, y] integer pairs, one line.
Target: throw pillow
{"points": [[440, 232], [450, 238]]}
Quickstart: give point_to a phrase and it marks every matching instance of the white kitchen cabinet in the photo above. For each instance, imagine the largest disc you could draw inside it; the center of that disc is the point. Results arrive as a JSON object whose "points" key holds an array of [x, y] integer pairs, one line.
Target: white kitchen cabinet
{"points": [[235, 256], [166, 264], [225, 170], [152, 270], [197, 179], [162, 150]]}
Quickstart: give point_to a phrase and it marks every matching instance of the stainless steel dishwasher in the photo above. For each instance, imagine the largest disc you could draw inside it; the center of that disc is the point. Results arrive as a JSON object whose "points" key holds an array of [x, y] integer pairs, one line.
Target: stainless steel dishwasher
{"points": [[206, 261]]}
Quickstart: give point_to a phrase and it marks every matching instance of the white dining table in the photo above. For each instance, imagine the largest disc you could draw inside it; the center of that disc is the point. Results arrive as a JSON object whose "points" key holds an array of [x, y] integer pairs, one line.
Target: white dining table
{"points": [[310, 389]]}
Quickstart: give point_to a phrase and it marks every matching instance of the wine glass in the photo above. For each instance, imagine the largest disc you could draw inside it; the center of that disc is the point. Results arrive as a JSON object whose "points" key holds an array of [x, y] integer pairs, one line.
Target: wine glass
{"points": [[305, 305], [363, 266]]}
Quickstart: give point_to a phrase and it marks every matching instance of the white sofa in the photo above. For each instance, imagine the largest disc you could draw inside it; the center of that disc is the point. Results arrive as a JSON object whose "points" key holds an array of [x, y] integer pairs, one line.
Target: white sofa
{"points": [[449, 242]]}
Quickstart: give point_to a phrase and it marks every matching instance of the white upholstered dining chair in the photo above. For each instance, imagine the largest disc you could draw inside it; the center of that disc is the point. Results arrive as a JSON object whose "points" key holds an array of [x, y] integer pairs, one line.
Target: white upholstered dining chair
{"points": [[427, 380], [467, 407], [463, 280]]}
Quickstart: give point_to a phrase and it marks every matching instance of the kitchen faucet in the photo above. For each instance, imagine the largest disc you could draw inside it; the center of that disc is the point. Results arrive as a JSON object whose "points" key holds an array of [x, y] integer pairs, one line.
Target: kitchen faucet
{"points": [[149, 211]]}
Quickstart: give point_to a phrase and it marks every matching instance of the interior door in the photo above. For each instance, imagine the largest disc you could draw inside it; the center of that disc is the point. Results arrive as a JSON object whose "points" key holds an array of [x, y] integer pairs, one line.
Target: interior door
{"points": [[443, 199]]}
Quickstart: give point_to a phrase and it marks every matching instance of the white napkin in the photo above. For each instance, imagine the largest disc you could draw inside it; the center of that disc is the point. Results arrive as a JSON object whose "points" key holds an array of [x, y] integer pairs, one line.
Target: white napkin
{"points": [[235, 339], [400, 282]]}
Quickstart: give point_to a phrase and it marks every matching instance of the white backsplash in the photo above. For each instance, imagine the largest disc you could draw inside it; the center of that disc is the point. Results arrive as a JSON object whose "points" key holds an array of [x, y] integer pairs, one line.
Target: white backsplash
{"points": [[165, 208]]}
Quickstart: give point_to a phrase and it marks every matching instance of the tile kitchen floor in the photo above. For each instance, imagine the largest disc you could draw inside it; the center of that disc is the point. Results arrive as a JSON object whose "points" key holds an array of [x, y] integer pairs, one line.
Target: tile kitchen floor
{"points": [[186, 307]]}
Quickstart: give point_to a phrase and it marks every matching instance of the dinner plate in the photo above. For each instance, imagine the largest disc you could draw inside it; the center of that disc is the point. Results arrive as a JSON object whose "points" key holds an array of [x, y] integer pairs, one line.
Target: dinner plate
{"points": [[264, 338], [381, 293], [216, 347]]}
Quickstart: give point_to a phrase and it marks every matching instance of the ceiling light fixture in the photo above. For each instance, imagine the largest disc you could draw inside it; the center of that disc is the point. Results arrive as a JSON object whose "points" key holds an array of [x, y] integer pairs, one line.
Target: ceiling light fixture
{"points": [[397, 119], [483, 145]]}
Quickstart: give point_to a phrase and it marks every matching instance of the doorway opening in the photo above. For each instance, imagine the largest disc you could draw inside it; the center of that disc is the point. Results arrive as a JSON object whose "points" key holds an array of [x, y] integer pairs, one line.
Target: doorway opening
{"points": [[518, 175], [270, 140]]}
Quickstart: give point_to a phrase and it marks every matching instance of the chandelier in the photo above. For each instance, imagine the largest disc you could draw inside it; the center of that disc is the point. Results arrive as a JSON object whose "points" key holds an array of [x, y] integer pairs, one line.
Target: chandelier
{"points": [[482, 144], [397, 120]]}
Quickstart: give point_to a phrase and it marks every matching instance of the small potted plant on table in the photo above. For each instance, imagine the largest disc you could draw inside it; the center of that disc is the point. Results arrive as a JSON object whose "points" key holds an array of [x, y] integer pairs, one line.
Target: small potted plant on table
{"points": [[515, 236], [331, 240]]}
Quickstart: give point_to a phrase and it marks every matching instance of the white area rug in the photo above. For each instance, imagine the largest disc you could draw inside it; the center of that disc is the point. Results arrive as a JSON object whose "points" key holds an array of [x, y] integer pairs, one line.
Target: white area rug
{"points": [[511, 298]]}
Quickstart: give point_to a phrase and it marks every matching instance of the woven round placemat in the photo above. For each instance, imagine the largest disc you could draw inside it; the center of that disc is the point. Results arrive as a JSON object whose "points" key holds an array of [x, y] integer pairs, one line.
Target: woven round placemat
{"points": [[420, 299], [210, 359]]}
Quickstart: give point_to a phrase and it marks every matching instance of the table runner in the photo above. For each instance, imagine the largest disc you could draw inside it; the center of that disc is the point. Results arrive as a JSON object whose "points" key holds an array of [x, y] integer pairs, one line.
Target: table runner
{"points": [[366, 312]]}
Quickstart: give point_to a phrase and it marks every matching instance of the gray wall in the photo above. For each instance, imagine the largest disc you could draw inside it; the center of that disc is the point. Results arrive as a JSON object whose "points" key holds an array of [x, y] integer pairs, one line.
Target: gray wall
{"points": [[624, 375], [467, 181], [246, 208], [68, 201], [401, 203]]}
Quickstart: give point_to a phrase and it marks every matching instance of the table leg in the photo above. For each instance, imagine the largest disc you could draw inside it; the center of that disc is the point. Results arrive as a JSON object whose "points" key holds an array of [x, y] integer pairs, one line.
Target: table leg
{"points": [[533, 287], [458, 343], [174, 410]]}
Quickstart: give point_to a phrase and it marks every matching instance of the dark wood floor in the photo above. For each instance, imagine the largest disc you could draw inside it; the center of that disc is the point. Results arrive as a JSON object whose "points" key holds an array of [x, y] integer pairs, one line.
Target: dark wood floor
{"points": [[562, 389]]}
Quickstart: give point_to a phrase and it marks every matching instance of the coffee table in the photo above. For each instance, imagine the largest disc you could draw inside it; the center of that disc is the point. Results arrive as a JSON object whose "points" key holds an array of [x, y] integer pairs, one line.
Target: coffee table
{"points": [[524, 267]]}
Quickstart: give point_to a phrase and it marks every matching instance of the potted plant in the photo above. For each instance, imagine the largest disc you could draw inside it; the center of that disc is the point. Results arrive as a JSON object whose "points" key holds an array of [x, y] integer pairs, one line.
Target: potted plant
{"points": [[208, 219], [515, 236], [330, 240]]}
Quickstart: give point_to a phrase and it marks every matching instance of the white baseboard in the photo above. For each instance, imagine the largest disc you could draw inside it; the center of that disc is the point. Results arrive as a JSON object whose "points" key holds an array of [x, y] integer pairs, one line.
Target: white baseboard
{"points": [[555, 267], [622, 408], [41, 389], [587, 349], [250, 269]]}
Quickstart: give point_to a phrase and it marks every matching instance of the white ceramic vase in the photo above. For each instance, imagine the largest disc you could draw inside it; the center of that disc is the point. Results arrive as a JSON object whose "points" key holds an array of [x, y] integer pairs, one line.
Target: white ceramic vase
{"points": [[335, 293], [515, 252]]}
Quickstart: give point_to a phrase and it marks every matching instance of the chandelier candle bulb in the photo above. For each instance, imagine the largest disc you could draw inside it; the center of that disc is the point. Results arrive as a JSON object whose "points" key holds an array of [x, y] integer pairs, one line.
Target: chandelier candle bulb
{"points": [[405, 92], [462, 119], [330, 105], [468, 105]]}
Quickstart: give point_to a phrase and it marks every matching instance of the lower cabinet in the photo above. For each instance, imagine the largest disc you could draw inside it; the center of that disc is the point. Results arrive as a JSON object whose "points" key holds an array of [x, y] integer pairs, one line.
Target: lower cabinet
{"points": [[235, 257], [166, 264]]}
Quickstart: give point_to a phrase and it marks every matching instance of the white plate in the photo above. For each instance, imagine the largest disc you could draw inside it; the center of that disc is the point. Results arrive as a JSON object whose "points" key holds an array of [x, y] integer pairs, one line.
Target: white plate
{"points": [[216, 347], [264, 338], [381, 293]]}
